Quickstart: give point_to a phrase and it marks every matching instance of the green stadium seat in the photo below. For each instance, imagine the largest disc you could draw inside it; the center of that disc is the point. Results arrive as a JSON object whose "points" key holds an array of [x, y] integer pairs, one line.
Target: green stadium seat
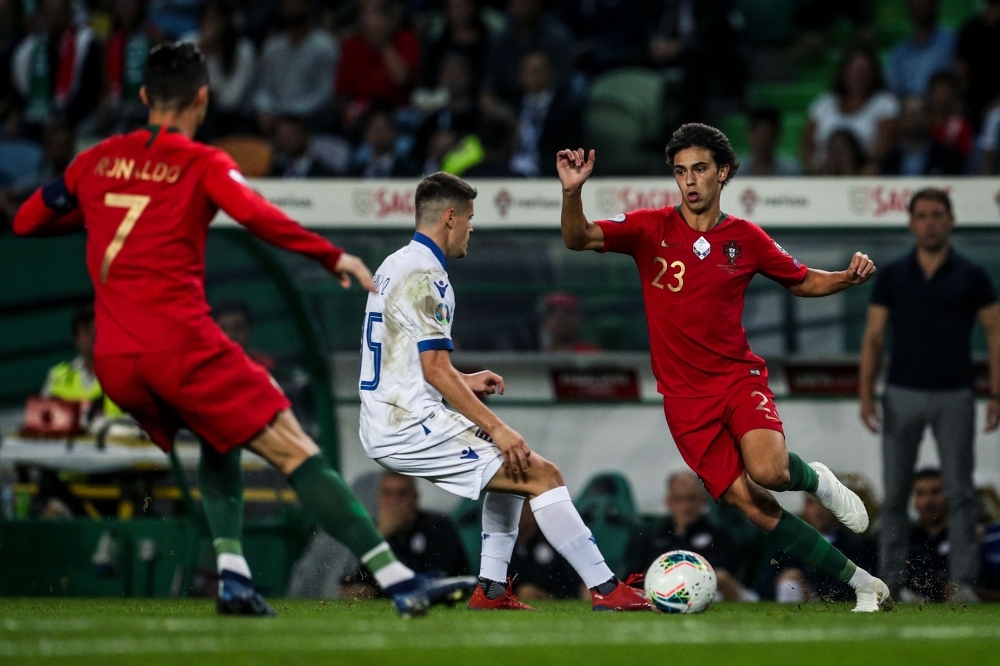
{"points": [[795, 96], [608, 508], [623, 118]]}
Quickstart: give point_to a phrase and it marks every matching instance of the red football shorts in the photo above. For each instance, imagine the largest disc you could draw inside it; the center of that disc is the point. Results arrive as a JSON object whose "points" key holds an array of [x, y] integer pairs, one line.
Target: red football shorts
{"points": [[708, 430], [217, 392]]}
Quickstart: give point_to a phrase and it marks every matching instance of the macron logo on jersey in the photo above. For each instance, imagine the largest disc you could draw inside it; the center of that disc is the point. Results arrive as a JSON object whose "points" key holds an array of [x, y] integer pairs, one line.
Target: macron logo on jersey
{"points": [[469, 454], [442, 287]]}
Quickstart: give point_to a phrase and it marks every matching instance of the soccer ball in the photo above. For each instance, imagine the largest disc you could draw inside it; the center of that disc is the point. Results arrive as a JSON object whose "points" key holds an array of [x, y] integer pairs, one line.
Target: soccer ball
{"points": [[680, 582]]}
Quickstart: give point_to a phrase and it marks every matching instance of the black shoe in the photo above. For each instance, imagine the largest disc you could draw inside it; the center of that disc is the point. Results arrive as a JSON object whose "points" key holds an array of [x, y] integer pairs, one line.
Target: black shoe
{"points": [[237, 597]]}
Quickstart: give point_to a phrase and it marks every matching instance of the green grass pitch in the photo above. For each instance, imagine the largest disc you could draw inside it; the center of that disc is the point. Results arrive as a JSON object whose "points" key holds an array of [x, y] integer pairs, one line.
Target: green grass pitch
{"points": [[187, 632]]}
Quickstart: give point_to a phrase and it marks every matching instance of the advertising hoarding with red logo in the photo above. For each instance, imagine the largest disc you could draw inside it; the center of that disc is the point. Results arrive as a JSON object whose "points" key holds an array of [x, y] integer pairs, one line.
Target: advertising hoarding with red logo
{"points": [[536, 204]]}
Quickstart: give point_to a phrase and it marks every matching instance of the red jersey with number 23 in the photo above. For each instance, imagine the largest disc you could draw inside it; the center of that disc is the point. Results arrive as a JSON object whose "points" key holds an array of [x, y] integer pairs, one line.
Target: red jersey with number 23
{"points": [[148, 198], [694, 286]]}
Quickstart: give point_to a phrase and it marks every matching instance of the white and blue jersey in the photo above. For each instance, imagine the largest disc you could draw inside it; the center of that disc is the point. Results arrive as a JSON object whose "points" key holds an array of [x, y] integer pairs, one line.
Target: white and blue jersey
{"points": [[404, 423]]}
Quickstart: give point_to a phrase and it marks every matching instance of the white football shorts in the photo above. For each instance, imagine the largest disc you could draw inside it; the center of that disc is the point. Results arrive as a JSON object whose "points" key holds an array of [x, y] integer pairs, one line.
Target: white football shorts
{"points": [[462, 464]]}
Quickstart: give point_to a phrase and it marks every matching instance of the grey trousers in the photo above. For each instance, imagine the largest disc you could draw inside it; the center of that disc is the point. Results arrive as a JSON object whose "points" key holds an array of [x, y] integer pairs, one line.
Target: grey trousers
{"points": [[951, 415]]}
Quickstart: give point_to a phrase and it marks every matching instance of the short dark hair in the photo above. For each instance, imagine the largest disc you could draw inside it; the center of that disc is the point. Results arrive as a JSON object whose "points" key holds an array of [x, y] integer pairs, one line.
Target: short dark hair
{"points": [[877, 83], [440, 188], [697, 135], [927, 473], [233, 307], [84, 315], [930, 194], [173, 74], [766, 114]]}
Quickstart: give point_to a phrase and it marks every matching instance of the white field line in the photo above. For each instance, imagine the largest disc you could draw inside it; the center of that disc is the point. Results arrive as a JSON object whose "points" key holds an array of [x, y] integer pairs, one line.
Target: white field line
{"points": [[263, 639]]}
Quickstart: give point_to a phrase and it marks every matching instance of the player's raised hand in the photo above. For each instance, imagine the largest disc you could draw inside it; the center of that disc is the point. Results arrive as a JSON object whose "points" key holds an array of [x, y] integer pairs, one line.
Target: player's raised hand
{"points": [[349, 265], [861, 268], [516, 454], [574, 167], [485, 382]]}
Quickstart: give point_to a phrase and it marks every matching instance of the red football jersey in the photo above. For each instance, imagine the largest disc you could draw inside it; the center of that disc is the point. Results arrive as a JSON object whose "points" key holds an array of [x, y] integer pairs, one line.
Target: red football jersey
{"points": [[693, 285], [147, 199]]}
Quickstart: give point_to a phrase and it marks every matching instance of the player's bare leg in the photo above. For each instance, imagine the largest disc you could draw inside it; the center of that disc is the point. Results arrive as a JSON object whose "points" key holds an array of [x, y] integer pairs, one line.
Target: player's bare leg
{"points": [[542, 485], [321, 490], [790, 534]]}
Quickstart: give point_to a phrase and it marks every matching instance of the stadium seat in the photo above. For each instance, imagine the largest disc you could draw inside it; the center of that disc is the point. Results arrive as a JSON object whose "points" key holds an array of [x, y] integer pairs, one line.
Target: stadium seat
{"points": [[607, 507], [623, 118], [252, 153], [18, 158]]}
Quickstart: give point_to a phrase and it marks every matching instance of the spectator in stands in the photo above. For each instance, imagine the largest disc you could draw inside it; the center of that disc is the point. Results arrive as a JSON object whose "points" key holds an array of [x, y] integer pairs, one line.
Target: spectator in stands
{"points": [[930, 298], [75, 380], [978, 52], [496, 136], [989, 142], [857, 102], [292, 158], [790, 581], [608, 33], [548, 117], [236, 321], [57, 152], [815, 18], [377, 156], [529, 29], [124, 58], [928, 51], [763, 135], [231, 61], [948, 124], [463, 33], [380, 64], [844, 155], [703, 38], [561, 326], [457, 119], [686, 527], [539, 571], [296, 69], [917, 153], [927, 560], [58, 71], [422, 540]]}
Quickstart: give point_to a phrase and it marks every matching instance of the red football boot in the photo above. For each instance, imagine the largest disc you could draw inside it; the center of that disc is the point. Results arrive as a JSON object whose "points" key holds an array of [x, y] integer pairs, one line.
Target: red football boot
{"points": [[506, 601], [622, 598]]}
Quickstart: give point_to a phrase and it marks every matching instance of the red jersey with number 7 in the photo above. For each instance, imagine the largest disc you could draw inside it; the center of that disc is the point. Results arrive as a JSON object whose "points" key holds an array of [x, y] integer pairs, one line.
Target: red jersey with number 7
{"points": [[147, 199], [694, 286]]}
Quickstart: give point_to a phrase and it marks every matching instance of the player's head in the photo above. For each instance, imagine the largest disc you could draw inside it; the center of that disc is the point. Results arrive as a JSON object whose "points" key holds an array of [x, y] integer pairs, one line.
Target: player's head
{"points": [[83, 331], [931, 218], [444, 210], [175, 79], [703, 162]]}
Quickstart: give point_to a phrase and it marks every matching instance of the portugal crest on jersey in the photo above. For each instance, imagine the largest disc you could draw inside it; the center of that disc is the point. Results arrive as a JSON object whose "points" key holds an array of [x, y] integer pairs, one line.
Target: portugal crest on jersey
{"points": [[732, 251]]}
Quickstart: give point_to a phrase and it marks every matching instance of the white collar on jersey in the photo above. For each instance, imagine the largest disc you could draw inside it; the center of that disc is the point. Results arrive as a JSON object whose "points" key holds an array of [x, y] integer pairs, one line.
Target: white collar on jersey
{"points": [[431, 245]]}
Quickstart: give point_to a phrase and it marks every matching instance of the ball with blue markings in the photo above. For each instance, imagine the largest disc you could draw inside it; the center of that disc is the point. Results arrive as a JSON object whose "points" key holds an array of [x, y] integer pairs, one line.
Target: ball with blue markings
{"points": [[680, 582]]}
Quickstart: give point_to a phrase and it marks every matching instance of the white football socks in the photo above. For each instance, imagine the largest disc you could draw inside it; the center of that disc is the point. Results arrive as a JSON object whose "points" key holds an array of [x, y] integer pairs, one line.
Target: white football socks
{"points": [[565, 531], [387, 574], [235, 563], [860, 578], [501, 515]]}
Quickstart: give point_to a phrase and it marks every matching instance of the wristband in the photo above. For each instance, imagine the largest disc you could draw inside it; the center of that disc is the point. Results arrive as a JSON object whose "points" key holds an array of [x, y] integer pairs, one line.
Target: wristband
{"points": [[58, 198]]}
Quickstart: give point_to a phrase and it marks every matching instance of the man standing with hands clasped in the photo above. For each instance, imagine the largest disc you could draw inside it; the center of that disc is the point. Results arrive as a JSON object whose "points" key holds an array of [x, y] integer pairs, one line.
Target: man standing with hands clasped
{"points": [[930, 298]]}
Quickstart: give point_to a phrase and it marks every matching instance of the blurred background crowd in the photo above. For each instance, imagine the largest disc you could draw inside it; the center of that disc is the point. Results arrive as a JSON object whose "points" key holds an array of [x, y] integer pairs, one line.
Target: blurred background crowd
{"points": [[492, 88]]}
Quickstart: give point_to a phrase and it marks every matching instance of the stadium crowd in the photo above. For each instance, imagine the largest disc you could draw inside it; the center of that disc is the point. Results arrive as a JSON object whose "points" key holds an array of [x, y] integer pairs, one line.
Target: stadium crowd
{"points": [[491, 88]]}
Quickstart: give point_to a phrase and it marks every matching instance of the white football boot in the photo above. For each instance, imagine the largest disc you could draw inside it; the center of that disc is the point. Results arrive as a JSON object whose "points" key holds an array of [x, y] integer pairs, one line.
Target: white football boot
{"points": [[842, 501], [872, 597]]}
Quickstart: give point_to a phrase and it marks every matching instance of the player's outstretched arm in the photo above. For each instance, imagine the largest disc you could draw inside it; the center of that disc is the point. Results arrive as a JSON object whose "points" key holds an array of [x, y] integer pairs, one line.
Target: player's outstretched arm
{"points": [[457, 390], [46, 215], [574, 168], [824, 283]]}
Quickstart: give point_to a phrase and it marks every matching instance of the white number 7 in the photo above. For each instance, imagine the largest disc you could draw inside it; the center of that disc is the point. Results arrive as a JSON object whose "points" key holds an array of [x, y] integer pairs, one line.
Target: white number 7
{"points": [[136, 203]]}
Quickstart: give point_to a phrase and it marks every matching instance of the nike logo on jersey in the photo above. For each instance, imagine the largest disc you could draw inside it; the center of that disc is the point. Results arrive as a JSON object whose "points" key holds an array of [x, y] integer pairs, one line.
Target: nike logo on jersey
{"points": [[666, 244], [441, 287], [469, 454]]}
